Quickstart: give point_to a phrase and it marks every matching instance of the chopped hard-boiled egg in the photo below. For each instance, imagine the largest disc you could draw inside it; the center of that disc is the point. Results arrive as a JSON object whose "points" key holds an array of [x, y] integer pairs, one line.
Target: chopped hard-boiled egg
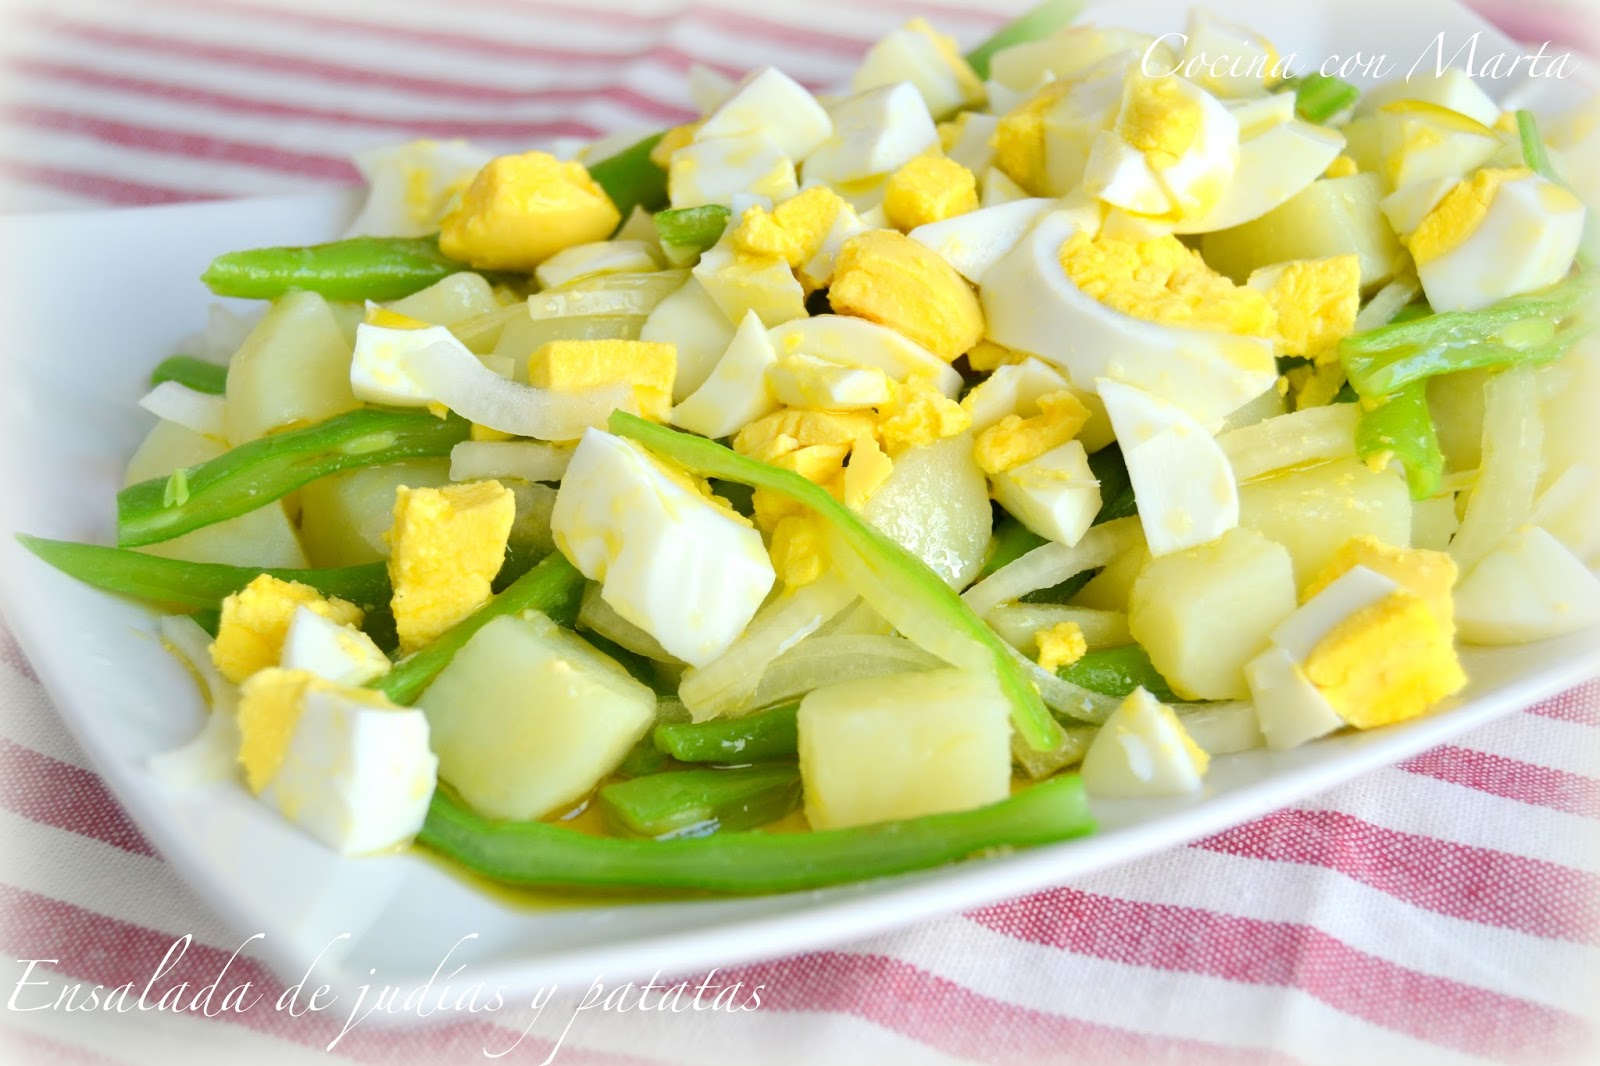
{"points": [[1451, 88], [338, 653], [578, 366], [738, 391], [1016, 439], [888, 278], [1531, 587], [1420, 141], [1315, 301], [1430, 574], [1276, 161], [1229, 60], [446, 546], [384, 345], [1061, 645], [973, 241], [851, 341], [693, 322], [1500, 233], [343, 763], [919, 54], [1054, 494], [738, 282], [670, 557], [256, 619], [412, 186], [795, 230], [716, 169], [806, 381], [772, 103], [1141, 751], [968, 139], [1011, 389], [1170, 154], [928, 189], [522, 209], [874, 133]]}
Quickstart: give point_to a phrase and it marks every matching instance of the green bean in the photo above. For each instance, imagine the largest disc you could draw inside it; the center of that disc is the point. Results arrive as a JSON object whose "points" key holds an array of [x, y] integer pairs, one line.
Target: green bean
{"points": [[186, 586], [698, 802], [631, 179], [1012, 540], [537, 853], [1402, 427], [1117, 672], [356, 268], [1032, 25], [254, 474], [889, 576], [1319, 97], [551, 587], [692, 229], [196, 374], [1116, 487], [765, 736]]}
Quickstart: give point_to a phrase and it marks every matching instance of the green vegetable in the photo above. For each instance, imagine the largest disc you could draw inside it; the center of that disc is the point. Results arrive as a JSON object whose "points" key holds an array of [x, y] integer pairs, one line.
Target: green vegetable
{"points": [[1535, 328], [1402, 427], [357, 268], [698, 802], [1041, 21], [536, 853], [551, 588], [254, 474], [1319, 97], [631, 179], [185, 586], [1012, 540], [764, 736], [1116, 672], [1116, 487], [196, 374], [916, 590], [693, 229], [643, 758]]}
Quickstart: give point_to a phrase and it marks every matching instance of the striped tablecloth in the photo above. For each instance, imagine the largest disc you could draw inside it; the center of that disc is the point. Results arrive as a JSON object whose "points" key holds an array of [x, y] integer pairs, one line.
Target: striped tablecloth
{"points": [[1444, 910]]}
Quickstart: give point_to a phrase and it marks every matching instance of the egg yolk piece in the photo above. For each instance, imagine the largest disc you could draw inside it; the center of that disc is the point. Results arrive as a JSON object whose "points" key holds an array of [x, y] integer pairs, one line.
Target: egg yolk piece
{"points": [[1015, 440], [256, 619], [794, 231], [888, 278], [1061, 645], [1316, 301], [1161, 280], [522, 209], [1460, 213], [1385, 663], [269, 709], [577, 366], [928, 189], [447, 545], [1430, 574], [1160, 120]]}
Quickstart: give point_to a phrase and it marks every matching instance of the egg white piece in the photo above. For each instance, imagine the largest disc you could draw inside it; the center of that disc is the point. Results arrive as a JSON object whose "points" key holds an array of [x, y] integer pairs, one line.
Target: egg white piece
{"points": [[1032, 306], [1181, 479], [817, 272], [911, 55], [1055, 495], [709, 88], [737, 391], [1420, 140], [1356, 589], [806, 381], [772, 103], [684, 569], [1526, 241], [1454, 89], [197, 411], [1529, 588], [850, 341], [974, 241], [1406, 207], [1013, 389], [995, 187], [692, 320], [589, 260], [338, 653], [737, 284], [1274, 164], [1120, 175], [358, 772], [1141, 751], [974, 147], [874, 133], [379, 371], [1230, 60], [1257, 114], [410, 186], [1288, 706], [714, 170]]}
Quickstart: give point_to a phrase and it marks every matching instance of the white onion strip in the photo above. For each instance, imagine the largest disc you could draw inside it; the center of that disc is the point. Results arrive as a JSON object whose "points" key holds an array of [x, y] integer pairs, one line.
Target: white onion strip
{"points": [[474, 460], [1314, 435], [1051, 564], [193, 410], [455, 377], [822, 660]]}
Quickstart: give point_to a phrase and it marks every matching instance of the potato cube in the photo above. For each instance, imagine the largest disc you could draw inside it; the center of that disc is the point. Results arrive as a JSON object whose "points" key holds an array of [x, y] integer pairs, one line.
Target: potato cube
{"points": [[1317, 510], [292, 370]]}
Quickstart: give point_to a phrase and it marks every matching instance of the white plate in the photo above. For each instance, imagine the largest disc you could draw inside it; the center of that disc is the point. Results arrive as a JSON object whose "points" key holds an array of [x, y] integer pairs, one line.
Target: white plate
{"points": [[108, 294]]}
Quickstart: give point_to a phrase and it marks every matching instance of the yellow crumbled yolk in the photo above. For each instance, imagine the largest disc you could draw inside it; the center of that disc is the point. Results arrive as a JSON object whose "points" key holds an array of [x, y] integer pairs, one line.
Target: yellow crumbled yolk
{"points": [[987, 355], [799, 548], [576, 366], [888, 278], [1460, 213], [1061, 645], [1020, 138], [1429, 574], [930, 188], [675, 138], [1342, 167], [812, 443], [522, 209], [1159, 120], [255, 621], [869, 467], [1388, 662], [1161, 280], [1015, 440], [269, 709], [447, 545], [793, 231], [919, 415], [1316, 301]]}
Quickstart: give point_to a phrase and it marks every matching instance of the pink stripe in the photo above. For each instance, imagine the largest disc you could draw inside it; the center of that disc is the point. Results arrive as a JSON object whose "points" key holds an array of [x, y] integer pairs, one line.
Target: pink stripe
{"points": [[1250, 951], [98, 949], [1512, 779], [956, 1020], [184, 145], [43, 1049], [1474, 884], [54, 793], [10, 651], [99, 187], [1580, 706]]}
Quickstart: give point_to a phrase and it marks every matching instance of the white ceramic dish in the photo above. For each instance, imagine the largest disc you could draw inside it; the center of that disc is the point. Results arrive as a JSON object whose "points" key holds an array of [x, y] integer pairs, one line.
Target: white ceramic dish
{"points": [[70, 420]]}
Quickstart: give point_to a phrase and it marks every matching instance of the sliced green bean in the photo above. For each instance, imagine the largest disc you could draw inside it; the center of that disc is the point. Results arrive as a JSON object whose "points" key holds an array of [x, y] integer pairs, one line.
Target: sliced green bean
{"points": [[698, 802], [1319, 97], [631, 179], [1116, 672], [765, 736], [1012, 540], [254, 474], [1402, 427], [196, 374], [537, 853], [356, 268], [693, 229], [1032, 25], [1116, 487]]}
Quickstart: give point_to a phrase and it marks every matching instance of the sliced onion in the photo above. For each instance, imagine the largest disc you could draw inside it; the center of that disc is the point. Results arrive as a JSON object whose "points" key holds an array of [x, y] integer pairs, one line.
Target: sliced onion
{"points": [[1222, 728], [725, 685], [829, 660], [1314, 435], [1513, 440], [607, 294], [1388, 302], [1064, 697], [1051, 564], [598, 616], [457, 379], [191, 409], [473, 460], [1019, 624]]}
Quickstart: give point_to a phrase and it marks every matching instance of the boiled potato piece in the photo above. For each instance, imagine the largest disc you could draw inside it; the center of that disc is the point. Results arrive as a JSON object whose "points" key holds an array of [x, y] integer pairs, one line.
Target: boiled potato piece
{"points": [[292, 370], [1333, 216], [449, 301], [1202, 614], [1313, 511], [259, 538], [903, 746], [1529, 588], [936, 506], [343, 517], [527, 718], [1110, 588]]}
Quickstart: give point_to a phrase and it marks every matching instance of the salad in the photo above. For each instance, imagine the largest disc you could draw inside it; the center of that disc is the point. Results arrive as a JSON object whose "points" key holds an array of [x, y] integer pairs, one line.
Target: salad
{"points": [[839, 486]]}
